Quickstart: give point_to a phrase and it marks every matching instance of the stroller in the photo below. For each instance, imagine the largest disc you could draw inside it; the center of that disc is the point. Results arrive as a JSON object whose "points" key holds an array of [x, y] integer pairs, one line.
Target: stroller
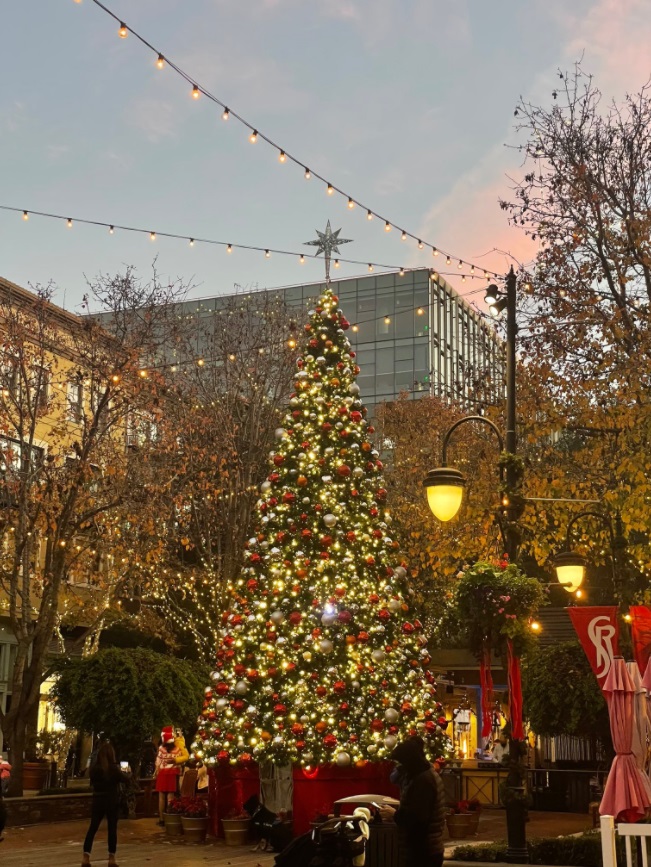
{"points": [[341, 842]]}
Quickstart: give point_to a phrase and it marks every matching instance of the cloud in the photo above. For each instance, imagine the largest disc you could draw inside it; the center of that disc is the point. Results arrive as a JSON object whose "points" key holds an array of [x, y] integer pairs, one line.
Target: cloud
{"points": [[155, 118]]}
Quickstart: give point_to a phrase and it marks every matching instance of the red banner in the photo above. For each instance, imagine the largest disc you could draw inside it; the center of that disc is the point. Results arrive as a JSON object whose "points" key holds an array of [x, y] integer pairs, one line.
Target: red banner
{"points": [[641, 631], [598, 631], [486, 683], [515, 693]]}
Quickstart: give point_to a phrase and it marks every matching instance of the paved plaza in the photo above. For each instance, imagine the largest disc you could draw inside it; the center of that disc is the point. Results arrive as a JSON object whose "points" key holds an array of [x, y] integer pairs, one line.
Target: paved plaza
{"points": [[142, 844]]}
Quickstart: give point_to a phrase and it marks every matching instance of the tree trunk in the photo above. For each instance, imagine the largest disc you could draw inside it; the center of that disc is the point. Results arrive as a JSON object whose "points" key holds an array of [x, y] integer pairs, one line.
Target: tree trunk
{"points": [[14, 732]]}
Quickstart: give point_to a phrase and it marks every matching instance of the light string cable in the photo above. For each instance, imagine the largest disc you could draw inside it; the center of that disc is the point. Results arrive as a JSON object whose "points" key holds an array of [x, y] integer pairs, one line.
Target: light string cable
{"points": [[192, 240], [284, 155]]}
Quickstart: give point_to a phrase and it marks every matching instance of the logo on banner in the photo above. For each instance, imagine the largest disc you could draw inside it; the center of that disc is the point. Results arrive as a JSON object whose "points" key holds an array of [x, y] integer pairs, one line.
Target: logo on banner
{"points": [[600, 633], [597, 628]]}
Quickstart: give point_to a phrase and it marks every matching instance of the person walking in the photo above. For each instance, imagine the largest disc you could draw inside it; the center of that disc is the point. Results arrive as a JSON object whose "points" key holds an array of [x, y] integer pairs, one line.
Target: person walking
{"points": [[105, 778], [421, 815]]}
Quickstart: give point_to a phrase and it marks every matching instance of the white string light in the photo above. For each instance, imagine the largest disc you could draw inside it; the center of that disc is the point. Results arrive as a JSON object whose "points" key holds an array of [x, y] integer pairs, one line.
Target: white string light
{"points": [[197, 90]]}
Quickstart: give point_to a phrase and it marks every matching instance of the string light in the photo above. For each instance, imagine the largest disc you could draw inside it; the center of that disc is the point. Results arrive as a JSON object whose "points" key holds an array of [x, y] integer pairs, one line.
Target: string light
{"points": [[200, 362], [331, 189], [420, 245], [191, 239], [124, 31], [291, 343], [196, 93], [160, 61], [420, 311], [387, 226], [308, 174], [69, 223], [282, 157], [401, 272], [448, 261], [403, 237], [355, 328], [435, 252], [226, 113], [351, 204], [369, 215], [460, 265], [387, 320], [254, 136], [336, 263]]}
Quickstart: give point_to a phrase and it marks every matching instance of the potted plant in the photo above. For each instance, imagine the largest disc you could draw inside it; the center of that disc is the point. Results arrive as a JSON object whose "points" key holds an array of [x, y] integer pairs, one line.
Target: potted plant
{"points": [[458, 820], [172, 817], [237, 828], [35, 767], [194, 819], [474, 808]]}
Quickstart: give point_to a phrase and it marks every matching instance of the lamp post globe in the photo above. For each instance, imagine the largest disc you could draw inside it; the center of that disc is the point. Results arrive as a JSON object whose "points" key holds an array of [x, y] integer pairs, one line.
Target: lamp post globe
{"points": [[444, 488], [570, 570]]}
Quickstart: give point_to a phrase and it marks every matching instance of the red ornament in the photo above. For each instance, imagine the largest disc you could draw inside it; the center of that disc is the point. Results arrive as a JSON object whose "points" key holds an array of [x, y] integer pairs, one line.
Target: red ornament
{"points": [[273, 477], [377, 725], [344, 616], [326, 541], [373, 598], [325, 555], [222, 688], [377, 534], [326, 426], [407, 628], [251, 584], [339, 687], [384, 615], [344, 707], [252, 674], [300, 745], [356, 415], [289, 497], [340, 592], [363, 637], [237, 705], [279, 460], [280, 709], [370, 560], [330, 741], [350, 536], [295, 618], [306, 533], [321, 691], [343, 470], [222, 756], [381, 494]]}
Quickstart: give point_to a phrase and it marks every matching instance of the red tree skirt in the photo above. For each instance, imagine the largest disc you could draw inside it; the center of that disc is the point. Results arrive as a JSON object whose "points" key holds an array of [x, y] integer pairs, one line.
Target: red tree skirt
{"points": [[316, 792]]}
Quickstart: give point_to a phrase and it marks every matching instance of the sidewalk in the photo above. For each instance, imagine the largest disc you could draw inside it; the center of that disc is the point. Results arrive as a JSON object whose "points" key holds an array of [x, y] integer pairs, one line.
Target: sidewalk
{"points": [[141, 843]]}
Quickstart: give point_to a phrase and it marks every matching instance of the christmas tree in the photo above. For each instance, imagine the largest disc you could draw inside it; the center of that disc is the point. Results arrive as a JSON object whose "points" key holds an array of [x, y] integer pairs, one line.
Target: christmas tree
{"points": [[321, 658]]}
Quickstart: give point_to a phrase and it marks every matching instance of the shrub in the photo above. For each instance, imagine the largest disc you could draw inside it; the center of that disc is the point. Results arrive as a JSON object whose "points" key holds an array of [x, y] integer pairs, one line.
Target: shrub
{"points": [[581, 851], [175, 807], [195, 808]]}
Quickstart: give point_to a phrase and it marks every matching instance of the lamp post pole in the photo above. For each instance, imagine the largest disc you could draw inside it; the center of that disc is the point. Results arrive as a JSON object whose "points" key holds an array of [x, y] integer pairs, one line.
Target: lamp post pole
{"points": [[511, 440]]}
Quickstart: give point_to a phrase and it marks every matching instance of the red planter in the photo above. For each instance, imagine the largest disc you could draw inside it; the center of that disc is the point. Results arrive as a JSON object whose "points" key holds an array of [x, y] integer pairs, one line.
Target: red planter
{"points": [[314, 793], [317, 791]]}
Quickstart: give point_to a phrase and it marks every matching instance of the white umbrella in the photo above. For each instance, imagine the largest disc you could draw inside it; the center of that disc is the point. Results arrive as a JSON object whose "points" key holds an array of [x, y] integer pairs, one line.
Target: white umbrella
{"points": [[640, 717]]}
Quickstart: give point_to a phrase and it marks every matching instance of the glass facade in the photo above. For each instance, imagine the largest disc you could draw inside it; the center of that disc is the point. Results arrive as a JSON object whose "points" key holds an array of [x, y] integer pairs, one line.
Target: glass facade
{"points": [[412, 334]]}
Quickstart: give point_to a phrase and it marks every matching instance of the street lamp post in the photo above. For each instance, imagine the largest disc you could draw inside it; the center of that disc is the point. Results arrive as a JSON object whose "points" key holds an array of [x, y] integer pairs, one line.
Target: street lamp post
{"points": [[445, 487], [570, 566]]}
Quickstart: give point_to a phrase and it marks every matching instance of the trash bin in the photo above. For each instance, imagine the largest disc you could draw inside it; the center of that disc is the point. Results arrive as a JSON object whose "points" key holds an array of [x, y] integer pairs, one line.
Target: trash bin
{"points": [[382, 848]]}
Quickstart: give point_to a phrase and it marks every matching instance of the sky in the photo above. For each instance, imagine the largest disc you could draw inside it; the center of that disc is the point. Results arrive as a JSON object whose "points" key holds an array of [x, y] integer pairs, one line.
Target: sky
{"points": [[405, 104]]}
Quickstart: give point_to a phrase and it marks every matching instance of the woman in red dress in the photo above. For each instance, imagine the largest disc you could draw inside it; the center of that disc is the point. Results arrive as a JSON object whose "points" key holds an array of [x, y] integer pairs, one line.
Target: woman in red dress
{"points": [[168, 769]]}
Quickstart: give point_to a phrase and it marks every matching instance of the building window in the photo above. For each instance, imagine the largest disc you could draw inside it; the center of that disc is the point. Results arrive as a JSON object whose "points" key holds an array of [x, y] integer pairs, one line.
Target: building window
{"points": [[75, 396]]}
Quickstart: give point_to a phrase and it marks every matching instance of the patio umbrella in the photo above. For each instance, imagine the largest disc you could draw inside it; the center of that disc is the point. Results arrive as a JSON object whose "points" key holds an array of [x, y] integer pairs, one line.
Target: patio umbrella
{"points": [[646, 683], [640, 716], [627, 794]]}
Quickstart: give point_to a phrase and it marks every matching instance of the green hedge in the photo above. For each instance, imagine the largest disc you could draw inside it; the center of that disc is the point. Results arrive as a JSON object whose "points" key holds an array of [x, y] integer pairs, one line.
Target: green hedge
{"points": [[581, 851]]}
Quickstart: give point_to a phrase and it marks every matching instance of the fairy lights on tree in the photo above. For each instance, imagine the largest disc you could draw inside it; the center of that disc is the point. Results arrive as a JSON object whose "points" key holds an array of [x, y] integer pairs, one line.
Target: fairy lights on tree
{"points": [[321, 657]]}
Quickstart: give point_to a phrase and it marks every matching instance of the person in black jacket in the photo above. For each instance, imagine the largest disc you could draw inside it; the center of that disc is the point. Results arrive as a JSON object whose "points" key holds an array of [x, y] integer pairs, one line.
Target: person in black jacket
{"points": [[421, 815], [105, 778]]}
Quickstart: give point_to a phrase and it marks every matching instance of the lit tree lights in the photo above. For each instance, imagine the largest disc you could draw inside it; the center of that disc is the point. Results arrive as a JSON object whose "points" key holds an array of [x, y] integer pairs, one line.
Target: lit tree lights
{"points": [[320, 658]]}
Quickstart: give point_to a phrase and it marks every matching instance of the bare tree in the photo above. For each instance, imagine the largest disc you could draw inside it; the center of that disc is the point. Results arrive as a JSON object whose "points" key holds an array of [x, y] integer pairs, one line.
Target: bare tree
{"points": [[77, 522]]}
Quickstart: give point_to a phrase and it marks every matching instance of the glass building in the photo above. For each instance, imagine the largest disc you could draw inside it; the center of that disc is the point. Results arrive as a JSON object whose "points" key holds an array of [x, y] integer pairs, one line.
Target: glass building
{"points": [[413, 333]]}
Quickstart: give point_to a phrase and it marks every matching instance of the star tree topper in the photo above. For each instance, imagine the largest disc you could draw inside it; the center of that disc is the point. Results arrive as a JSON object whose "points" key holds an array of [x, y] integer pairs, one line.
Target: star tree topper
{"points": [[328, 243]]}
